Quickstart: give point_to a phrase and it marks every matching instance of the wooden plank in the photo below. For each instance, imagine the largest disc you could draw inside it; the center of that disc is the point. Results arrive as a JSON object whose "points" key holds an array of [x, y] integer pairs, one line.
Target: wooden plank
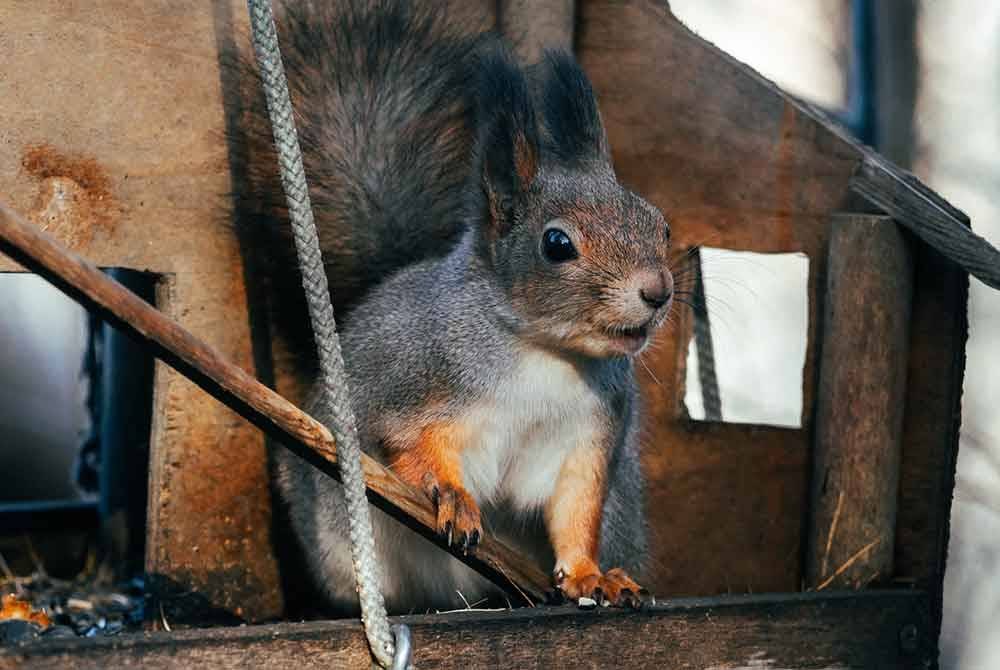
{"points": [[729, 158], [734, 163], [939, 328], [245, 395], [929, 217], [870, 631], [726, 503], [715, 486], [737, 163], [859, 411], [112, 134]]}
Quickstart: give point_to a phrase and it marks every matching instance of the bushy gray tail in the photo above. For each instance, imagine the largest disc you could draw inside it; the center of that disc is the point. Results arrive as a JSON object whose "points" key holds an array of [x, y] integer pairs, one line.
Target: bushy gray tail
{"points": [[383, 96]]}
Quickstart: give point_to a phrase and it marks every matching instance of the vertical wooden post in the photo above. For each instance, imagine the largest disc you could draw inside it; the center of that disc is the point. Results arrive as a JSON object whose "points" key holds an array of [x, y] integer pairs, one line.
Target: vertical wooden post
{"points": [[860, 403], [534, 25]]}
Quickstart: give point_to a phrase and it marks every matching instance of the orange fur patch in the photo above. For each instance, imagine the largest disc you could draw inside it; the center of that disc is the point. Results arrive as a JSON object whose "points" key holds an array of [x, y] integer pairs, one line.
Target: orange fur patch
{"points": [[573, 513], [525, 161], [438, 451], [434, 465], [573, 517], [14, 608]]}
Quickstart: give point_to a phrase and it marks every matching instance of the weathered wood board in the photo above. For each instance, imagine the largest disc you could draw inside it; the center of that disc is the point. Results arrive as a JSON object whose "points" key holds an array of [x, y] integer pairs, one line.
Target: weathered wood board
{"points": [[111, 125], [859, 409], [737, 164], [871, 631]]}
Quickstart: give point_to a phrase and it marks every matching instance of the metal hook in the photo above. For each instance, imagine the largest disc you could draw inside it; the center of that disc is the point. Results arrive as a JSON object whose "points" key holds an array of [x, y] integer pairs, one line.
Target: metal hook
{"points": [[404, 648]]}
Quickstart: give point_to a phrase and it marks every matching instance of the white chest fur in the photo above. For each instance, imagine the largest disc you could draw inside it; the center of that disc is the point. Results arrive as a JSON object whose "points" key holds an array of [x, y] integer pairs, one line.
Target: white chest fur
{"points": [[520, 436]]}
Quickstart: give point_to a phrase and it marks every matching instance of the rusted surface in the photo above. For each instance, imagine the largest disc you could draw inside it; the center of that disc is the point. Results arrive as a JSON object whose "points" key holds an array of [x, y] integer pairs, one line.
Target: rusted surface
{"points": [[111, 126], [74, 195]]}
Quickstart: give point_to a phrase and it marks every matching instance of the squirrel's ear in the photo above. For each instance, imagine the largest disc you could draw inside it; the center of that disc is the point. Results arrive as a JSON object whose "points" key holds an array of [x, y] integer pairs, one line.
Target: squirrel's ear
{"points": [[508, 135], [572, 130]]}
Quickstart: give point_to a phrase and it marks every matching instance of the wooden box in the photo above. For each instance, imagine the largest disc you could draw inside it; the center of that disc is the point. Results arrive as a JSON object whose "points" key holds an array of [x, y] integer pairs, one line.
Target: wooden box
{"points": [[112, 124]]}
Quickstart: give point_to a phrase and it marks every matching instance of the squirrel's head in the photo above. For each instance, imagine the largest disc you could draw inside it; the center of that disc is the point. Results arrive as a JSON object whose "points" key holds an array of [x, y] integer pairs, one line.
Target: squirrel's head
{"points": [[582, 259]]}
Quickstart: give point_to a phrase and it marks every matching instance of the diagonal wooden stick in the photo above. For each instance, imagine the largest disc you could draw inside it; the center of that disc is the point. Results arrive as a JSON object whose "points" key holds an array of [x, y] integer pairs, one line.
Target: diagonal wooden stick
{"points": [[255, 402]]}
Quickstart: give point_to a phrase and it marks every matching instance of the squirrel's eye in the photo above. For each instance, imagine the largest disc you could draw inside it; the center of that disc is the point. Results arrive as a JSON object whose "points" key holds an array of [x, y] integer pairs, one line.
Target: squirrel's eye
{"points": [[557, 246]]}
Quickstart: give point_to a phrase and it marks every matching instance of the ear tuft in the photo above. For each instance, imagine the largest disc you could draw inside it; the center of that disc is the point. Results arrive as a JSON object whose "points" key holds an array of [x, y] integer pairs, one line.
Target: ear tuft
{"points": [[508, 144], [573, 132]]}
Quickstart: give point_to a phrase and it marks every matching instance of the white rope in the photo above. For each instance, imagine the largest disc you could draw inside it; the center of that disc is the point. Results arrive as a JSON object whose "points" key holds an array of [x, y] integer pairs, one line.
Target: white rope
{"points": [[333, 378]]}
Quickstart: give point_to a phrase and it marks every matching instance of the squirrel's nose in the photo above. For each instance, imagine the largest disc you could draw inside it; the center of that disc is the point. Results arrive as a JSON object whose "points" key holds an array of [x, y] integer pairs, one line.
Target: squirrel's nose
{"points": [[655, 291]]}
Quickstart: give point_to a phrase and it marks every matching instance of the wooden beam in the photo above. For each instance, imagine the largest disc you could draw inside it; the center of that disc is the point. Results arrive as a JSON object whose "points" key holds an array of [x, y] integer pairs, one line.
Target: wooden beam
{"points": [[714, 487], [860, 403], [929, 216], [735, 163], [245, 395], [120, 194], [886, 629], [939, 328]]}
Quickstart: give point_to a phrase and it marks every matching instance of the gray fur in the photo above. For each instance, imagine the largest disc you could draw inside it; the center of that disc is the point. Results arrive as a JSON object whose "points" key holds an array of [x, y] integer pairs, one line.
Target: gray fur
{"points": [[438, 326]]}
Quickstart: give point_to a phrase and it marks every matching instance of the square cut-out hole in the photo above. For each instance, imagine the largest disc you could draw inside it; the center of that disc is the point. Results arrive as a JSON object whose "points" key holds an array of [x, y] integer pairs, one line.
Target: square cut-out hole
{"points": [[75, 418], [758, 314]]}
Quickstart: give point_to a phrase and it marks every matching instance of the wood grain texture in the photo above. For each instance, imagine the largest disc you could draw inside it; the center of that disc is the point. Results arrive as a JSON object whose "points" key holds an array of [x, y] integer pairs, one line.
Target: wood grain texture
{"points": [[930, 218], [729, 158], [938, 330], [871, 631], [133, 90], [242, 393], [735, 163], [860, 404], [112, 142], [725, 501]]}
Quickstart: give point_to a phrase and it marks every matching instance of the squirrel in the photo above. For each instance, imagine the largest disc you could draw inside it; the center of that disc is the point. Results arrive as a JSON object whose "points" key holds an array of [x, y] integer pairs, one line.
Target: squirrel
{"points": [[494, 282]]}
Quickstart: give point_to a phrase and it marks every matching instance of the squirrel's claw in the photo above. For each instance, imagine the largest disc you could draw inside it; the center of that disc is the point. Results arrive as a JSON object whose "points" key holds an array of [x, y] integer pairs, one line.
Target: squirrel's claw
{"points": [[629, 599], [458, 516], [614, 588]]}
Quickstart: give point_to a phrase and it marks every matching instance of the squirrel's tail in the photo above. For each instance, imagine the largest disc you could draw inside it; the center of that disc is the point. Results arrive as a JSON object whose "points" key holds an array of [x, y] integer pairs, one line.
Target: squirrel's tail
{"points": [[380, 90]]}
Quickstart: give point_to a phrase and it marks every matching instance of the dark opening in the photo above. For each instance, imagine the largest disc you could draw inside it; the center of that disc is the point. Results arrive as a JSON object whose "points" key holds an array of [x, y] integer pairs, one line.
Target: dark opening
{"points": [[75, 412]]}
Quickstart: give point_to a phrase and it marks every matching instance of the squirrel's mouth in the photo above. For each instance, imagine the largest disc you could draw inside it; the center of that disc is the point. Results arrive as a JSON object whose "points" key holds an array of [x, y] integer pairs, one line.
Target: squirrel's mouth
{"points": [[628, 340]]}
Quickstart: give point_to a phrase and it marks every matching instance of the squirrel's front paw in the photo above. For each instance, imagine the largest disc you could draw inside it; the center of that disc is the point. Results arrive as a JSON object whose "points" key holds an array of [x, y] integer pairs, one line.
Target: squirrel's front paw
{"points": [[614, 587], [458, 516]]}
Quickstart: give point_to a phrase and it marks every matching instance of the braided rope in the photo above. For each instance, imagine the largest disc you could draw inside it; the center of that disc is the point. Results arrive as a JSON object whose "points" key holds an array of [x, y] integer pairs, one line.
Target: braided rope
{"points": [[333, 377], [706, 350]]}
